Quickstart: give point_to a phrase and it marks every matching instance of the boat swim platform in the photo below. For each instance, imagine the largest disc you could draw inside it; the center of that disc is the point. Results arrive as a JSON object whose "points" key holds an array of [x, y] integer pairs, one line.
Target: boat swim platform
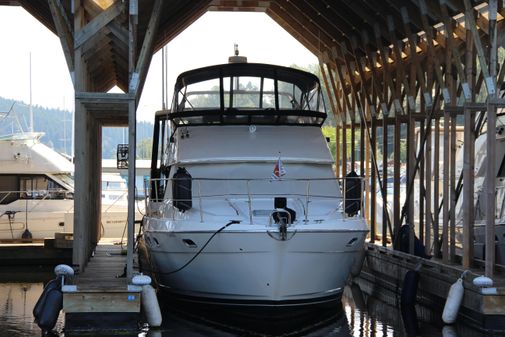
{"points": [[385, 268], [100, 298]]}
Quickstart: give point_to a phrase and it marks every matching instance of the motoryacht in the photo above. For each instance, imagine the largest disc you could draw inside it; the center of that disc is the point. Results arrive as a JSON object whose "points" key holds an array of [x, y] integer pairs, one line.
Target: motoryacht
{"points": [[37, 190], [243, 204]]}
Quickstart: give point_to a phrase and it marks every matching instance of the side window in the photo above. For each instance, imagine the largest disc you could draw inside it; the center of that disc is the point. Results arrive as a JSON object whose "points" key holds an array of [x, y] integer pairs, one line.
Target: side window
{"points": [[40, 187], [9, 187]]}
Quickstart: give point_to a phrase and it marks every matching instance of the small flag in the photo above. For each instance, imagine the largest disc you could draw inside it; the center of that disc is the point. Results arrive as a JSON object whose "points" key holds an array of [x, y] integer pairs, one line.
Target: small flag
{"points": [[279, 170]]}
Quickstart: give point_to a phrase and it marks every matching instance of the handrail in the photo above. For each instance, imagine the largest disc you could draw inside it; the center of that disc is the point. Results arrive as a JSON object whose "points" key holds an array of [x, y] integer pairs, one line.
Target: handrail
{"points": [[155, 186]]}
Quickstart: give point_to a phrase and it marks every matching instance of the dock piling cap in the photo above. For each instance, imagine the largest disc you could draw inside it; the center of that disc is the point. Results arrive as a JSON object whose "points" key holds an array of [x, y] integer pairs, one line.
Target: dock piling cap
{"points": [[141, 280], [63, 270]]}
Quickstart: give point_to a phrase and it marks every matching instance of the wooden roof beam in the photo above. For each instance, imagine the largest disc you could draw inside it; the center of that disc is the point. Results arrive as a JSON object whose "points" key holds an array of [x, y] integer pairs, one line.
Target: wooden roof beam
{"points": [[302, 24], [97, 23], [345, 22], [324, 24], [381, 14], [138, 78], [65, 33], [179, 18], [294, 30]]}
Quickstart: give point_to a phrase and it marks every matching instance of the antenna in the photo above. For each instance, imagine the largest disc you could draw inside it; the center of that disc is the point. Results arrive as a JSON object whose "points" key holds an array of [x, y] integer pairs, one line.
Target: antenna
{"points": [[235, 58], [31, 108]]}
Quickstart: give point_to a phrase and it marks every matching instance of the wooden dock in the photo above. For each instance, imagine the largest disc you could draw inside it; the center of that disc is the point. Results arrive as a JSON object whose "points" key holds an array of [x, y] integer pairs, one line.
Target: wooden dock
{"points": [[386, 268], [101, 298], [38, 253]]}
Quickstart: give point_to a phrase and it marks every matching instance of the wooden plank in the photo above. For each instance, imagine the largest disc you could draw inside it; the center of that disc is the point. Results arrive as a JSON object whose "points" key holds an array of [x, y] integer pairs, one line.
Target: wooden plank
{"points": [[101, 302]]}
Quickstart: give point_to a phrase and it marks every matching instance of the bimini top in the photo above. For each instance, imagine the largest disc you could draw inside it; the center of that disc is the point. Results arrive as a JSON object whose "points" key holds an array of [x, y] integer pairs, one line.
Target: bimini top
{"points": [[246, 93]]}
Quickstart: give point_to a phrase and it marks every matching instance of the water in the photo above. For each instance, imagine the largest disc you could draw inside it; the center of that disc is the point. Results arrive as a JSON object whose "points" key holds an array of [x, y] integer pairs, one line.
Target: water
{"points": [[359, 314]]}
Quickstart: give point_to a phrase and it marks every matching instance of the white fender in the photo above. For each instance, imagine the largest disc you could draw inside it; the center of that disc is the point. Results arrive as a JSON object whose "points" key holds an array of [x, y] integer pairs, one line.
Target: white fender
{"points": [[141, 280], [63, 270], [151, 307], [453, 302], [483, 282]]}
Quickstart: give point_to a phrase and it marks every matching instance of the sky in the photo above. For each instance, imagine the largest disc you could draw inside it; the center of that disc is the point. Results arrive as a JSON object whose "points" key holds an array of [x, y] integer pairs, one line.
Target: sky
{"points": [[208, 41]]}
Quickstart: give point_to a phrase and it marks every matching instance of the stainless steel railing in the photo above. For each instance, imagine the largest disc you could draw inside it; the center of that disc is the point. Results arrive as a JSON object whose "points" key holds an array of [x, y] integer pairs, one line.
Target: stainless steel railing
{"points": [[305, 190]]}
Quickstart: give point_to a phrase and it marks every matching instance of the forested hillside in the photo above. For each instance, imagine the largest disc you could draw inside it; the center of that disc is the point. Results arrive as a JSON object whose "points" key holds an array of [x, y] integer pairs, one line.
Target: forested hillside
{"points": [[57, 126]]}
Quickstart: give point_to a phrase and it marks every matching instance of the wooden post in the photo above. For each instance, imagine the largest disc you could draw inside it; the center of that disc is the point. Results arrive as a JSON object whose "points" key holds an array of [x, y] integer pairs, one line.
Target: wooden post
{"points": [[468, 188], [469, 159], [452, 212], [362, 145], [353, 145], [446, 196], [491, 144], [344, 147], [337, 150], [436, 188], [367, 176], [384, 178], [428, 167], [396, 172], [373, 183], [421, 182], [132, 133], [83, 136]]}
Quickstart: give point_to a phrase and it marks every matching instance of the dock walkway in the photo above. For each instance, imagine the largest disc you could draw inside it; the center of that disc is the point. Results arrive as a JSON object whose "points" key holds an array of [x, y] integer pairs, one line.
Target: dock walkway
{"points": [[101, 298]]}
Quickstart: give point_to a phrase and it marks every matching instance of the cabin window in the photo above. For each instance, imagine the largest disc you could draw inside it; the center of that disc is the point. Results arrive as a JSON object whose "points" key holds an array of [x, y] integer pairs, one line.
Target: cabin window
{"points": [[8, 187], [290, 96], [268, 98], [200, 95], [501, 170], [40, 187], [246, 92]]}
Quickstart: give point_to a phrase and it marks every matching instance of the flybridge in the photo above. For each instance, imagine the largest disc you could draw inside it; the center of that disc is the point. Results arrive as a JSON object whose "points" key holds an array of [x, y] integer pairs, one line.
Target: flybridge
{"points": [[246, 93]]}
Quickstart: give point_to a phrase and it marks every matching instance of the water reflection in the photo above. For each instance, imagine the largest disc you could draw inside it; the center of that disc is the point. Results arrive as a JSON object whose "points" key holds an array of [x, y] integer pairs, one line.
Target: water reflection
{"points": [[361, 313]]}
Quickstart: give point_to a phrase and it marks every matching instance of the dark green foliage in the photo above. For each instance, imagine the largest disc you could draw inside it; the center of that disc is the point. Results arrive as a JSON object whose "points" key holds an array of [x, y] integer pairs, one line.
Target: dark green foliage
{"points": [[57, 126]]}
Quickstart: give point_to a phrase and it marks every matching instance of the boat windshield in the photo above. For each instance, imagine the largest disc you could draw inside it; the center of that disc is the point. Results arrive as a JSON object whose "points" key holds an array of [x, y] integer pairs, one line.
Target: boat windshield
{"points": [[247, 94], [65, 180]]}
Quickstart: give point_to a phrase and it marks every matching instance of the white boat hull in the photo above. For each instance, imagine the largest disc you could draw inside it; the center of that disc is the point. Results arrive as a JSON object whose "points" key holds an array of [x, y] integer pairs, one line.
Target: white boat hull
{"points": [[255, 267]]}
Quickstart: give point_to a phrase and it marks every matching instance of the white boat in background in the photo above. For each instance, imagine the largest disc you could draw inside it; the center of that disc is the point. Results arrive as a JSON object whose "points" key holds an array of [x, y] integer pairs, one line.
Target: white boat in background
{"points": [[244, 208], [37, 189]]}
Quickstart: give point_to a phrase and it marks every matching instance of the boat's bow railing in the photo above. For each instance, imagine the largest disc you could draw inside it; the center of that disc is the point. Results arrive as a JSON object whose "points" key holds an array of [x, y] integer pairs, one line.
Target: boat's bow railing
{"points": [[345, 195]]}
